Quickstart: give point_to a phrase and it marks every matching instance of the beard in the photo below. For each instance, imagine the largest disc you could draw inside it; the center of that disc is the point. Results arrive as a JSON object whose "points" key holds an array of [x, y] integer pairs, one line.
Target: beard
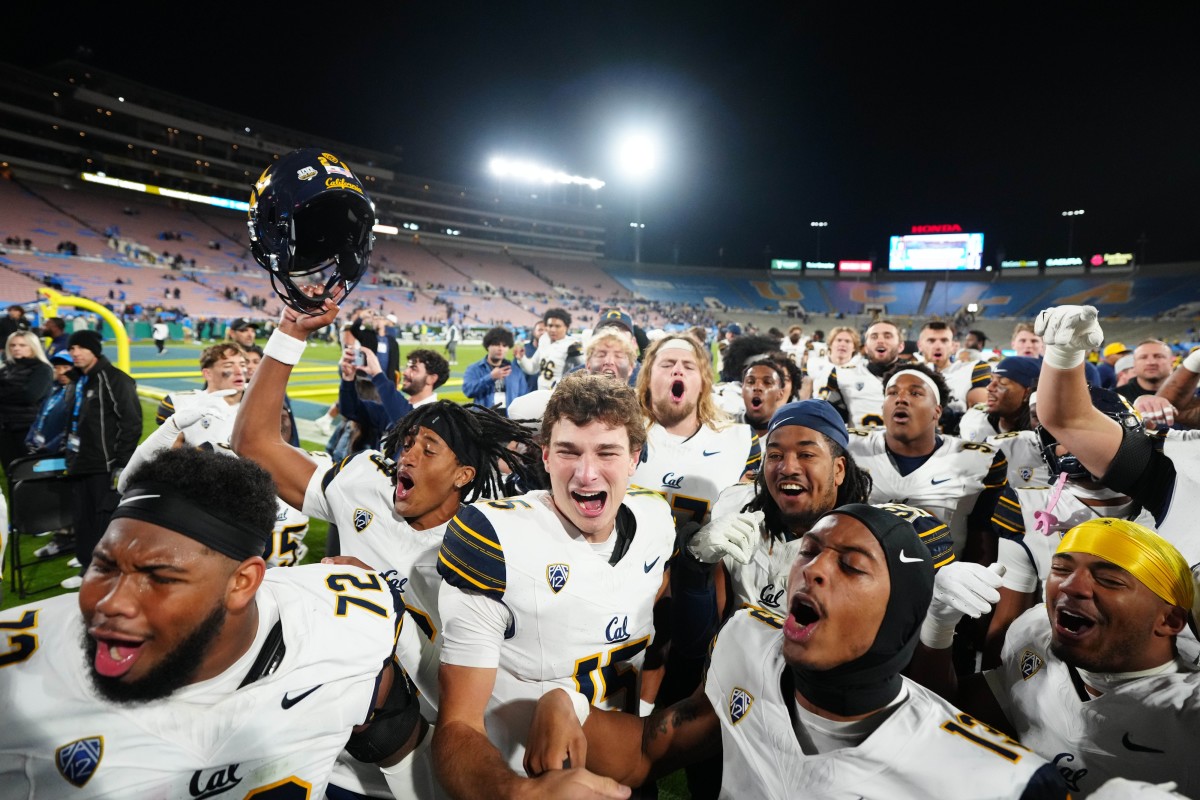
{"points": [[800, 522], [175, 671], [669, 415]]}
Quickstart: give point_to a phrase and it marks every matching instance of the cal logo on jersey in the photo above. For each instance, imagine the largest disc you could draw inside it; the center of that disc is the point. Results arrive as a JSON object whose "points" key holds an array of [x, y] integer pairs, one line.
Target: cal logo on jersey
{"points": [[1031, 662], [739, 704], [556, 576], [77, 760], [362, 518]]}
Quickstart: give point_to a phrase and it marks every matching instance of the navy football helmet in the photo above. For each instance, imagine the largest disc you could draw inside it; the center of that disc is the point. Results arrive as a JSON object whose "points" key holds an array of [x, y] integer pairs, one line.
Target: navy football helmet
{"points": [[309, 214], [1107, 402]]}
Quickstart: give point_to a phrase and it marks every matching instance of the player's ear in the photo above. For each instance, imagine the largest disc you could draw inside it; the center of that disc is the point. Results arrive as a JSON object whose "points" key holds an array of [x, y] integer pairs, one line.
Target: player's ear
{"points": [[244, 583], [463, 476], [839, 470], [1171, 622], [634, 459]]}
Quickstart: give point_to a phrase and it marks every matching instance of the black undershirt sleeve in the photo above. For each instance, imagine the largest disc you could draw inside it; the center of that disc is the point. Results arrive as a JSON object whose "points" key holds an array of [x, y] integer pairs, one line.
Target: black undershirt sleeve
{"points": [[1143, 473]]}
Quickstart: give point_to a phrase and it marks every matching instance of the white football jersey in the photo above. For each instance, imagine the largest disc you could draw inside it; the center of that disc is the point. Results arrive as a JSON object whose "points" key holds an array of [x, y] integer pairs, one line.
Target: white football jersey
{"points": [[222, 425], [1016, 519], [356, 495], [925, 748], [762, 583], [947, 485], [963, 376], [1144, 729], [691, 472], [1021, 449], [578, 621], [277, 736], [549, 361], [860, 390], [1178, 521], [794, 351], [819, 367]]}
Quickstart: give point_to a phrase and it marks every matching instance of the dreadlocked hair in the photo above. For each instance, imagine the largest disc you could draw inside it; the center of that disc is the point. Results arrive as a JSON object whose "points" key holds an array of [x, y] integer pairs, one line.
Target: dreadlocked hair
{"points": [[480, 438], [855, 488]]}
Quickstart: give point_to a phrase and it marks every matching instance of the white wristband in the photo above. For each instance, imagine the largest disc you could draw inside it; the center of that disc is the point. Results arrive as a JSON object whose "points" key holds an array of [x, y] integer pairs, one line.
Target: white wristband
{"points": [[1061, 356], [937, 634], [581, 705], [284, 349], [1192, 362]]}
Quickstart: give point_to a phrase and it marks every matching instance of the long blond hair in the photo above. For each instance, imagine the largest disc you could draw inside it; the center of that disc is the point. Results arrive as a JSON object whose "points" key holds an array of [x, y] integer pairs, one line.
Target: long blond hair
{"points": [[706, 408], [32, 340]]}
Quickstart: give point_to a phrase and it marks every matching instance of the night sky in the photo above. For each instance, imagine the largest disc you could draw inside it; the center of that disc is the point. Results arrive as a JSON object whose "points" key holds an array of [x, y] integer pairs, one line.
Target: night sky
{"points": [[996, 117]]}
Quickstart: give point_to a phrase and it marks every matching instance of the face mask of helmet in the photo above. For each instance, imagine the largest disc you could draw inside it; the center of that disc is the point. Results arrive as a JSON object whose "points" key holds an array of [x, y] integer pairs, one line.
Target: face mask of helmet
{"points": [[309, 218], [1107, 402]]}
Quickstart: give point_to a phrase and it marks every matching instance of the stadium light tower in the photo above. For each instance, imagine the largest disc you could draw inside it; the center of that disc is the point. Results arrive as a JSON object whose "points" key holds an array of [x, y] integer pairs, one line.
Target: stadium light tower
{"points": [[817, 226], [637, 158], [1071, 215]]}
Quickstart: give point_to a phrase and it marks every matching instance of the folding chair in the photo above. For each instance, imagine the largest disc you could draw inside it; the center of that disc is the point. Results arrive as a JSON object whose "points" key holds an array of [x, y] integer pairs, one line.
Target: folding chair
{"points": [[39, 500]]}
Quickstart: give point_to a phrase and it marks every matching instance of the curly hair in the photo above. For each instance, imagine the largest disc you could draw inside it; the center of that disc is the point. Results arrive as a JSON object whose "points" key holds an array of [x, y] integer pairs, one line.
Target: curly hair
{"points": [[924, 369], [582, 398], [480, 438], [741, 350], [855, 488], [434, 363], [235, 490]]}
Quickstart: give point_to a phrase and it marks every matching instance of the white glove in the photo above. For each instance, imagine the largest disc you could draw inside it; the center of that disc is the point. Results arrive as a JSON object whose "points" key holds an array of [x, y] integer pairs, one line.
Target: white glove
{"points": [[734, 535], [1068, 332], [959, 588], [208, 419], [1123, 789]]}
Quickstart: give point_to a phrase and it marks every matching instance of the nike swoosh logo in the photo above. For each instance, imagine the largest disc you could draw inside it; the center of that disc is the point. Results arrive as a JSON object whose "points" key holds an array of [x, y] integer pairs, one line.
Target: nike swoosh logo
{"points": [[650, 566], [125, 500], [288, 702], [908, 560], [1137, 748], [936, 481], [713, 453]]}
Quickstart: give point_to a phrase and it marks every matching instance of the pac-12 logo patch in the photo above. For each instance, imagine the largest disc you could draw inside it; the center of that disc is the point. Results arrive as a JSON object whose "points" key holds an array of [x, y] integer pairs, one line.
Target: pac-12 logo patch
{"points": [[556, 576], [739, 704], [77, 761], [362, 518], [1031, 662], [1026, 474]]}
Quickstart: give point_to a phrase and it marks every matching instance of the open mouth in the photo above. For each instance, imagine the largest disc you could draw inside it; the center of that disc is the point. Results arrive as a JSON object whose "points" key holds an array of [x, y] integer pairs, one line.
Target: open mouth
{"points": [[404, 486], [590, 504], [116, 656], [900, 415], [803, 617], [756, 402], [1070, 624], [677, 388], [791, 488]]}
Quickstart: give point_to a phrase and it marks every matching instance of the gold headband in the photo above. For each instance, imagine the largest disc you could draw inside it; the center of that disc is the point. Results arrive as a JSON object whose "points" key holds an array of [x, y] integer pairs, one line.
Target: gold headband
{"points": [[1140, 551]]}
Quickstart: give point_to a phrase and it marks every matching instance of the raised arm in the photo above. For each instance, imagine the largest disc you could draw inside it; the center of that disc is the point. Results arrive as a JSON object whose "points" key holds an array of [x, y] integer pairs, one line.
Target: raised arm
{"points": [[256, 433], [1064, 405]]}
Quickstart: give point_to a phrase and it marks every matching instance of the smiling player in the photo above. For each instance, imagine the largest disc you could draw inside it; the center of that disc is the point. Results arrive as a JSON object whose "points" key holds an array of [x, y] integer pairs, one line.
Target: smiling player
{"points": [[549, 589], [1098, 678], [391, 507]]}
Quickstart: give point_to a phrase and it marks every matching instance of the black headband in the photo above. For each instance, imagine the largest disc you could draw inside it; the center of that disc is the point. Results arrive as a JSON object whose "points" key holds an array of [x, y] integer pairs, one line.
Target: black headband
{"points": [[159, 504]]}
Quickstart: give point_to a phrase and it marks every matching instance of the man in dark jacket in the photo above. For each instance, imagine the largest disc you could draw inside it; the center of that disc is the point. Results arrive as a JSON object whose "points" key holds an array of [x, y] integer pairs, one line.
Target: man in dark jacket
{"points": [[102, 433]]}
